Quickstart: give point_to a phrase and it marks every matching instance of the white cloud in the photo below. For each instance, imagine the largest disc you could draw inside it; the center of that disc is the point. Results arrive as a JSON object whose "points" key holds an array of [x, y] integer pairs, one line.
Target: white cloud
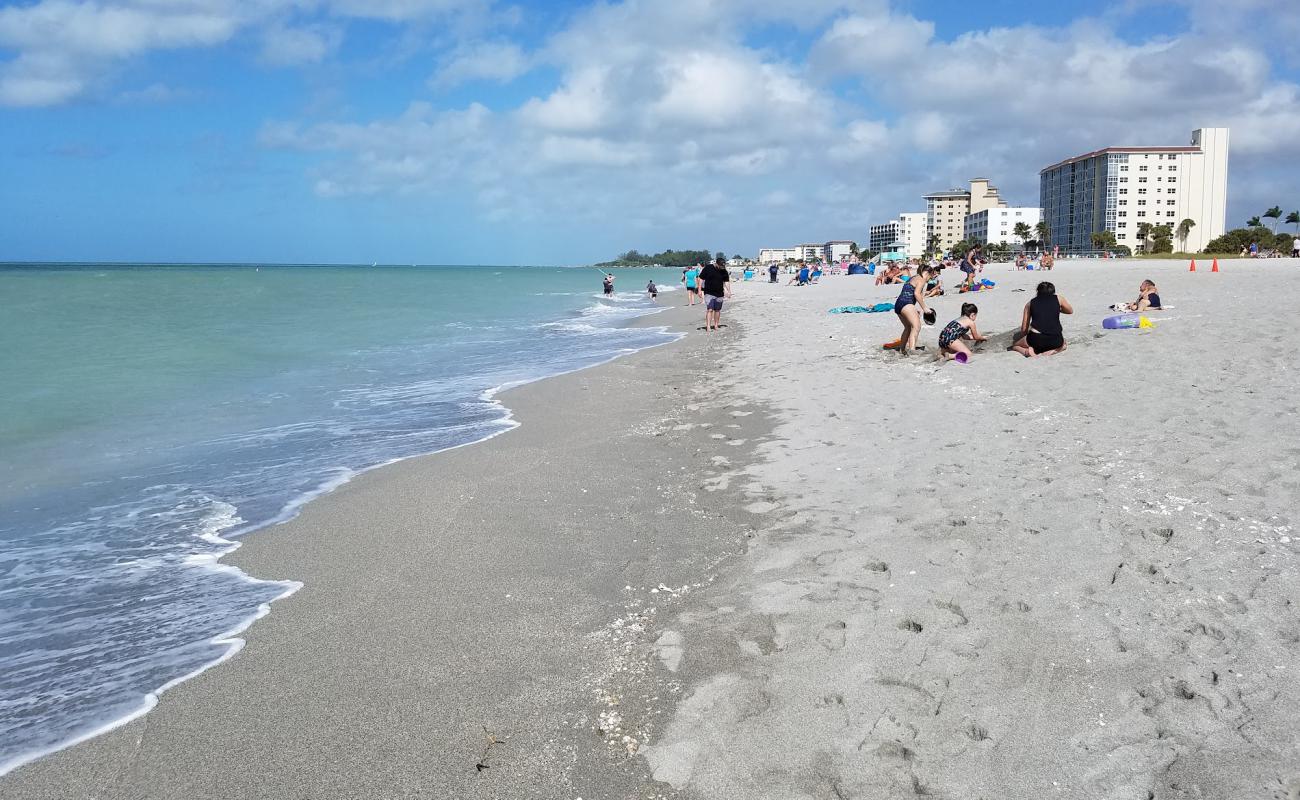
{"points": [[64, 48], [500, 61], [289, 46]]}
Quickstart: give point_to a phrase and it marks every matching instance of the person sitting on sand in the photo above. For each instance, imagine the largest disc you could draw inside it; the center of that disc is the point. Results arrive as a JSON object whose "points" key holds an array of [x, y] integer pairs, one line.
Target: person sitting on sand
{"points": [[890, 275], [1047, 262], [1148, 297], [909, 307], [1040, 326], [950, 338], [801, 277], [816, 273], [652, 290], [934, 287], [1021, 261]]}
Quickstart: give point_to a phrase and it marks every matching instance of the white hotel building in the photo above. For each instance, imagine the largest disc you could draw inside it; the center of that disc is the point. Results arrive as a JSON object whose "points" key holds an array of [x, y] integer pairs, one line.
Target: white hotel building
{"points": [[837, 250], [906, 235], [1117, 188], [998, 225]]}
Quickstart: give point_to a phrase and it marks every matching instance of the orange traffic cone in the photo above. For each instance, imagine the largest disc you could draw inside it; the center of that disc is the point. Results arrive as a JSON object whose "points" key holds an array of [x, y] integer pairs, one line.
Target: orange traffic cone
{"points": [[1193, 268], [1215, 266]]}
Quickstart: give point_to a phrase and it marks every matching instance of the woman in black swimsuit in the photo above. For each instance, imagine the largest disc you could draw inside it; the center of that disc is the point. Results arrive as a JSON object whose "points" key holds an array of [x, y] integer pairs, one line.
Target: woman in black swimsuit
{"points": [[910, 308], [1040, 326]]}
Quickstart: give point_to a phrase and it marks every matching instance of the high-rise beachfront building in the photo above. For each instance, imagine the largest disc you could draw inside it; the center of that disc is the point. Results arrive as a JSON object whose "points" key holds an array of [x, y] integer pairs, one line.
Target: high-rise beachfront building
{"points": [[1117, 188], [946, 211], [906, 234], [998, 225]]}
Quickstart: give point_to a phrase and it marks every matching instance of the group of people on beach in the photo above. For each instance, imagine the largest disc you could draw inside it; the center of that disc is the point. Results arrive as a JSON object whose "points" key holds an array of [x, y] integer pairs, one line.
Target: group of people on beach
{"points": [[1040, 325], [1040, 331]]}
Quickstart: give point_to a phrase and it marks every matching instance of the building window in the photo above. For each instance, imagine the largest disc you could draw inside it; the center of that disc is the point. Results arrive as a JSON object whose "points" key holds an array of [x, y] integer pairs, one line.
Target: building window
{"points": [[1123, 202], [1173, 180], [1172, 168], [1123, 214], [1123, 191], [1172, 191], [1142, 213], [1142, 180], [1123, 168], [1142, 168], [1169, 214], [1142, 202]]}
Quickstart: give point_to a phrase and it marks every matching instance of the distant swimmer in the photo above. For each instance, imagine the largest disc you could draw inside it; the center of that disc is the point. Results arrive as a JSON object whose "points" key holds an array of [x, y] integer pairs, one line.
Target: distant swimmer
{"points": [[609, 283], [652, 290]]}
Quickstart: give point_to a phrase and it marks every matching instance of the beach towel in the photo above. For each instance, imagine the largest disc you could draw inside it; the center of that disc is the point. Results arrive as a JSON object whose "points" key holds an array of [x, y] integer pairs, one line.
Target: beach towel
{"points": [[862, 309]]}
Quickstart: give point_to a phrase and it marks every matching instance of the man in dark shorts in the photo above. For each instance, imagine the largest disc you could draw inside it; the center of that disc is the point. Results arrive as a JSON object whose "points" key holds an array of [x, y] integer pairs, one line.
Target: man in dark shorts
{"points": [[609, 283], [716, 281], [772, 270]]}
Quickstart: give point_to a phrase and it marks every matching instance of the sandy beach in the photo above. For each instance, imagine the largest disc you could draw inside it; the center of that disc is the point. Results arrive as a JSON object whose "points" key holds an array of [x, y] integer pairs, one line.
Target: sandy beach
{"points": [[781, 562]]}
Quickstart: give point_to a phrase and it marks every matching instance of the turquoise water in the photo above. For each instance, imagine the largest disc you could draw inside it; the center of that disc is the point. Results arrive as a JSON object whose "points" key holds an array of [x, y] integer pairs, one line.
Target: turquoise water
{"points": [[152, 414]]}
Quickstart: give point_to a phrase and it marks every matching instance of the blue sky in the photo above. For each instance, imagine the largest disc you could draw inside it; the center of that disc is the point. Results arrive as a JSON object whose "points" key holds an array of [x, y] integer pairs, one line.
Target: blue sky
{"points": [[471, 131]]}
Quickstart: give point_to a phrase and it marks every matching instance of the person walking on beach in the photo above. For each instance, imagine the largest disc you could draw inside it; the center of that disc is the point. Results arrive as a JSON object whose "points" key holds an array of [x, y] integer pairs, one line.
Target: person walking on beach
{"points": [[774, 269], [691, 277], [1040, 326], [652, 290], [717, 284], [609, 283], [1295, 247], [909, 307]]}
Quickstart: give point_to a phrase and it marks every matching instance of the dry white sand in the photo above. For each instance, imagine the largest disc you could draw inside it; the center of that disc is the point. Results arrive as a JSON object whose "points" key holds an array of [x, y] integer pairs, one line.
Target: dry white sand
{"points": [[1061, 577]]}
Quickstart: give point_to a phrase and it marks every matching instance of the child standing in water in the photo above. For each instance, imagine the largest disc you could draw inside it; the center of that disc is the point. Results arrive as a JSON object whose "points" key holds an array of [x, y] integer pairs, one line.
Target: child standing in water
{"points": [[950, 338]]}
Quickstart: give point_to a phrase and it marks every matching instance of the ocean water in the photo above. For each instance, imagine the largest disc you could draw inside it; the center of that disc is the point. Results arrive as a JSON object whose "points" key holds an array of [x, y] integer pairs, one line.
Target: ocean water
{"points": [[152, 415]]}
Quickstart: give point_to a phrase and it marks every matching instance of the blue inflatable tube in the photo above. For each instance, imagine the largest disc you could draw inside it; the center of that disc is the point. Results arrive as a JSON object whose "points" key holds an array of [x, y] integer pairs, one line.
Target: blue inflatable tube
{"points": [[1122, 322]]}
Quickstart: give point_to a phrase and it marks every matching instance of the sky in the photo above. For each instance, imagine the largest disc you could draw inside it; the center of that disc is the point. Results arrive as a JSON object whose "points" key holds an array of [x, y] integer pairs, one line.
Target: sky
{"points": [[484, 132]]}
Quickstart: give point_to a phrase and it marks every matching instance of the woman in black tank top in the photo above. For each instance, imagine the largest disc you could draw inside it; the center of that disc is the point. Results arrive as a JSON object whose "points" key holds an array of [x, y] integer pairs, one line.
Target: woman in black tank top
{"points": [[1040, 325]]}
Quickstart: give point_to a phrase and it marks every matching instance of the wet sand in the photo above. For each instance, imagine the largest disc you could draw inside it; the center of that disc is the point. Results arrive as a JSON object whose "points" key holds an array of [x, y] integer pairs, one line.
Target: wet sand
{"points": [[493, 605]]}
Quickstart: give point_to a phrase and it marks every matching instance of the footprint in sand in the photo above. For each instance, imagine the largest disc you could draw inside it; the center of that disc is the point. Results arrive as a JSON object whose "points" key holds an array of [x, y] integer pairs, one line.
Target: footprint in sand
{"points": [[832, 636]]}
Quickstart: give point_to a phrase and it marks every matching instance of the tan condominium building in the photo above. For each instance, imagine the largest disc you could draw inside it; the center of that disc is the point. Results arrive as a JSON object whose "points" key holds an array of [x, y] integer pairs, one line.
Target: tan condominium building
{"points": [[946, 211]]}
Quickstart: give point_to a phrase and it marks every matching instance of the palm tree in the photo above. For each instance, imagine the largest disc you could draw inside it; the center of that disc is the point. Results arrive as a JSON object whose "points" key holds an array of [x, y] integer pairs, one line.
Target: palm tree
{"points": [[1253, 222], [1044, 232], [1023, 231], [1294, 219], [1273, 213], [1184, 228], [1144, 230]]}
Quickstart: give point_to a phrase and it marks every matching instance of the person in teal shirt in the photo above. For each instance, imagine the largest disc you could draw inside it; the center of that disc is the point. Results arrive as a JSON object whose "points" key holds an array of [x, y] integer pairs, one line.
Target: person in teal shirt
{"points": [[691, 278]]}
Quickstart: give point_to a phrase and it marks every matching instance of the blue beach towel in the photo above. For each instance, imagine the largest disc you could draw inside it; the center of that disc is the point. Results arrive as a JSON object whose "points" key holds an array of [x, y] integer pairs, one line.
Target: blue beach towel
{"points": [[862, 309]]}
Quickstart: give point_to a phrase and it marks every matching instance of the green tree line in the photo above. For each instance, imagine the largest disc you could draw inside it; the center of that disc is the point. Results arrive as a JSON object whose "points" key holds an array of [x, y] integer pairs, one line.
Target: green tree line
{"points": [[668, 258]]}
